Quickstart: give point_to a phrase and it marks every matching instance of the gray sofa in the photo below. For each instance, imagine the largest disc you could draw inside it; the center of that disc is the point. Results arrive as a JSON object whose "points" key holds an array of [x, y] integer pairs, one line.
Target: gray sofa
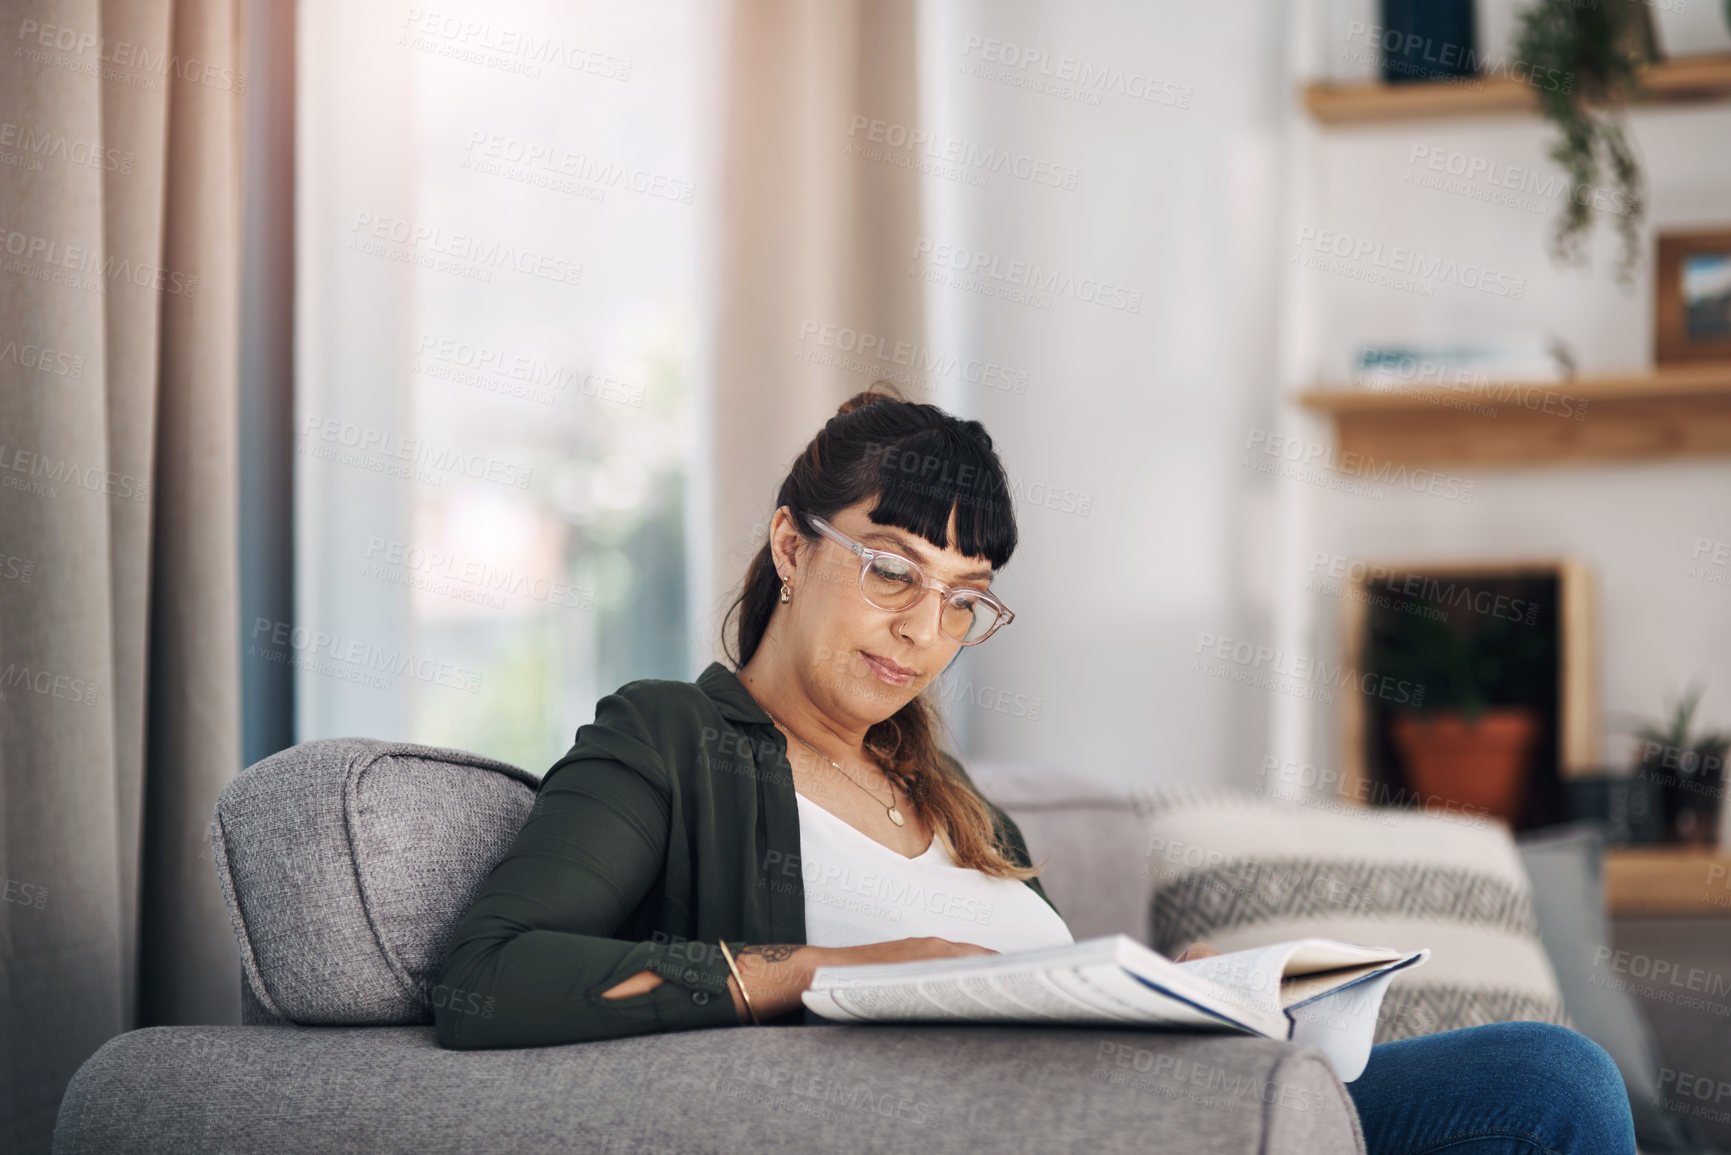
{"points": [[346, 863]]}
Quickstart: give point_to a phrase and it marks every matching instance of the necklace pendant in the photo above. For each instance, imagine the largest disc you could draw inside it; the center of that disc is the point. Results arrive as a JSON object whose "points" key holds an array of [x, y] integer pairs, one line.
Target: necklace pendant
{"points": [[896, 816]]}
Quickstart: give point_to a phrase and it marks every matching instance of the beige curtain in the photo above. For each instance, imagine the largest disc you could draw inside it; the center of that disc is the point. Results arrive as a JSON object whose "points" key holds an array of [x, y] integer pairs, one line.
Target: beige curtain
{"points": [[119, 181], [807, 233]]}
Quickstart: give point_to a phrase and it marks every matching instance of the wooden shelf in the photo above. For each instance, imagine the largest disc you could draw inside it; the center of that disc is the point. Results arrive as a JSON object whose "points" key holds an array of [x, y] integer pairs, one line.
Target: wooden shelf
{"points": [[1675, 412], [1691, 78], [1667, 880]]}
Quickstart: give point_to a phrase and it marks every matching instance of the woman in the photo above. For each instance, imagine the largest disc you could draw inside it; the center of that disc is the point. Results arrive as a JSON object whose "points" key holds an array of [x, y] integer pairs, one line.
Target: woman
{"points": [[703, 847]]}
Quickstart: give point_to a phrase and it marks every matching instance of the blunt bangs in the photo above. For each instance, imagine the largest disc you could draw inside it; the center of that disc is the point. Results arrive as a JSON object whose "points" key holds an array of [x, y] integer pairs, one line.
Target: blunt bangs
{"points": [[926, 474]]}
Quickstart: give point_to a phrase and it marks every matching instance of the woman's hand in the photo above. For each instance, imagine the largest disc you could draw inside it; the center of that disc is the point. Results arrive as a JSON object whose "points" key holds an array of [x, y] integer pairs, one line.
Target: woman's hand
{"points": [[1195, 951], [776, 976], [900, 950]]}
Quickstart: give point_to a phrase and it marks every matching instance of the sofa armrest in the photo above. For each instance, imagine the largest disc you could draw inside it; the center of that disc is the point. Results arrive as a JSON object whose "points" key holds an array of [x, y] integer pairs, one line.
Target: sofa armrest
{"points": [[820, 1089]]}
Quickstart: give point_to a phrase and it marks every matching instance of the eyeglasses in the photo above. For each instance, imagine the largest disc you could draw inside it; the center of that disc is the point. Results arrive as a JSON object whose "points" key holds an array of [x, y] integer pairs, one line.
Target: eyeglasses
{"points": [[892, 582]]}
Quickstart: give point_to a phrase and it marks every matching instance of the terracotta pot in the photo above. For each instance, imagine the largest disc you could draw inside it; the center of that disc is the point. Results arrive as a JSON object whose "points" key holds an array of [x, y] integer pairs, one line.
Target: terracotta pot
{"points": [[1483, 766]]}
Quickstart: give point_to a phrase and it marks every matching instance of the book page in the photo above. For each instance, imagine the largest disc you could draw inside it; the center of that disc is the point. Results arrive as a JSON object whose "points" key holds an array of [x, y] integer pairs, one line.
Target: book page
{"points": [[1088, 952], [1082, 983], [1113, 979], [1100, 994], [1263, 976], [1129, 999], [1246, 978], [1303, 988], [1321, 954], [901, 1002], [1341, 1023], [960, 999]]}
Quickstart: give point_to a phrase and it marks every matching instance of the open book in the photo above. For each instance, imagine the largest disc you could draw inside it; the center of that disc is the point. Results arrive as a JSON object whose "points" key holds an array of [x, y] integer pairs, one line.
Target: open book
{"points": [[1313, 991]]}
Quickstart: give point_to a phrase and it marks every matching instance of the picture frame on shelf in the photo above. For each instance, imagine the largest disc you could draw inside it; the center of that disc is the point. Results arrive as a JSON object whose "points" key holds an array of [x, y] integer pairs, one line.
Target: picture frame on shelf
{"points": [[1692, 297], [1682, 30]]}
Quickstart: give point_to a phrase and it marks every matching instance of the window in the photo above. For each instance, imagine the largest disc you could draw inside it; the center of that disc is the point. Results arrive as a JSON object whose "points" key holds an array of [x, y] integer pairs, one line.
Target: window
{"points": [[498, 211]]}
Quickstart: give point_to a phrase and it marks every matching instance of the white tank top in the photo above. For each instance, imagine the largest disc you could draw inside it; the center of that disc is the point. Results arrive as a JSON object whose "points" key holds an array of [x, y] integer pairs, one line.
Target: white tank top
{"points": [[857, 890]]}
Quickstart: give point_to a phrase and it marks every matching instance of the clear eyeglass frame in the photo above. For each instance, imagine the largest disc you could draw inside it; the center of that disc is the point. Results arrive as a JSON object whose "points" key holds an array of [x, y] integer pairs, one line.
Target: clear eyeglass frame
{"points": [[867, 555]]}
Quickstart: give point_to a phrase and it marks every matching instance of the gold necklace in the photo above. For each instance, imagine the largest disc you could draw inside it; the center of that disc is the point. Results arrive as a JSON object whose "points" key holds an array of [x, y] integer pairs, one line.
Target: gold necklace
{"points": [[895, 815]]}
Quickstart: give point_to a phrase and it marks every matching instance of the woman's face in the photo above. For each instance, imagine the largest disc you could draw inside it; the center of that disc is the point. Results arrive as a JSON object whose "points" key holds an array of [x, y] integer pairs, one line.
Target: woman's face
{"points": [[862, 664]]}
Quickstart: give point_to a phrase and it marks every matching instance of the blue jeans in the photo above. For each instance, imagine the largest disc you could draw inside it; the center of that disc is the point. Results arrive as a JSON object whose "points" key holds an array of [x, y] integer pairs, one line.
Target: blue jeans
{"points": [[1499, 1089]]}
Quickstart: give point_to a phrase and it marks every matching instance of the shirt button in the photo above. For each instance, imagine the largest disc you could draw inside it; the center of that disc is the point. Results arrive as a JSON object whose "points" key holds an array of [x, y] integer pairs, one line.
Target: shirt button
{"points": [[701, 998]]}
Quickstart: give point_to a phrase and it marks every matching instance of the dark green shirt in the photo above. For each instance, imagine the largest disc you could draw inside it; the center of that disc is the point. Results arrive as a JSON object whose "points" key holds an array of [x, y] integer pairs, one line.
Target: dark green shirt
{"points": [[670, 824]]}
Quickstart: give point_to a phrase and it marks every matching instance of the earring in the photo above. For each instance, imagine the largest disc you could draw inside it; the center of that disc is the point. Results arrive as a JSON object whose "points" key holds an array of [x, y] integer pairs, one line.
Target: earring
{"points": [[786, 593]]}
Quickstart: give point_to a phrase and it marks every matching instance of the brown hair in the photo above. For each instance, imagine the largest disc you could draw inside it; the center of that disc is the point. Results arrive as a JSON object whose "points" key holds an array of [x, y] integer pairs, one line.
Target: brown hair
{"points": [[919, 462]]}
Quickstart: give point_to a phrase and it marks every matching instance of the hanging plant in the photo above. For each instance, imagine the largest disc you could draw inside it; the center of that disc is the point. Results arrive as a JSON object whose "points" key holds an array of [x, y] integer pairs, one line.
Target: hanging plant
{"points": [[1598, 51]]}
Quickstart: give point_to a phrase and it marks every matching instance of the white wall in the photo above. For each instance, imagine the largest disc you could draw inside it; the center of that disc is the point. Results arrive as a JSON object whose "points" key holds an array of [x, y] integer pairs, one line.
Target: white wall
{"points": [[1150, 413], [1135, 410], [1635, 524]]}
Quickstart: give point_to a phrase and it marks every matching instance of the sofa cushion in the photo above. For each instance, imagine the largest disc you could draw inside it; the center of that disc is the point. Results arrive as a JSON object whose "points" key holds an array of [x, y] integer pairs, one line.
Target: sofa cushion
{"points": [[1238, 870], [1087, 837], [346, 863], [938, 1090]]}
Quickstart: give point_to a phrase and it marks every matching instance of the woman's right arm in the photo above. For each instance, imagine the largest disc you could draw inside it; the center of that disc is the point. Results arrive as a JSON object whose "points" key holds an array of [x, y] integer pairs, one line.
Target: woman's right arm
{"points": [[532, 962], [776, 975], [529, 961]]}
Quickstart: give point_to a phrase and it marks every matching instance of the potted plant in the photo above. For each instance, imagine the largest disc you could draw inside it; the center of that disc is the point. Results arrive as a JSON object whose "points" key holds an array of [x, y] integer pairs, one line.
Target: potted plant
{"points": [[1584, 62], [1471, 739], [1689, 768]]}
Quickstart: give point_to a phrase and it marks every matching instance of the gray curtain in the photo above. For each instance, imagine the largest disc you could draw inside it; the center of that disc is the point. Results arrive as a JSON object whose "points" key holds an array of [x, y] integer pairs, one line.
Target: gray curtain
{"points": [[806, 233], [119, 723]]}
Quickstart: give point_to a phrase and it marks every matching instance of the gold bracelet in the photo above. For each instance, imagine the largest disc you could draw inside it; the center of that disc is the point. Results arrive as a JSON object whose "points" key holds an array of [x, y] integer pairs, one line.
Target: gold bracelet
{"points": [[728, 955]]}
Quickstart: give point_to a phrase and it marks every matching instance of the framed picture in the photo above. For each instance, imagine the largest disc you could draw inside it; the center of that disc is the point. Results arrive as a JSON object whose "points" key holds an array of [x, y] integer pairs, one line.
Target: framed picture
{"points": [[1692, 315]]}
